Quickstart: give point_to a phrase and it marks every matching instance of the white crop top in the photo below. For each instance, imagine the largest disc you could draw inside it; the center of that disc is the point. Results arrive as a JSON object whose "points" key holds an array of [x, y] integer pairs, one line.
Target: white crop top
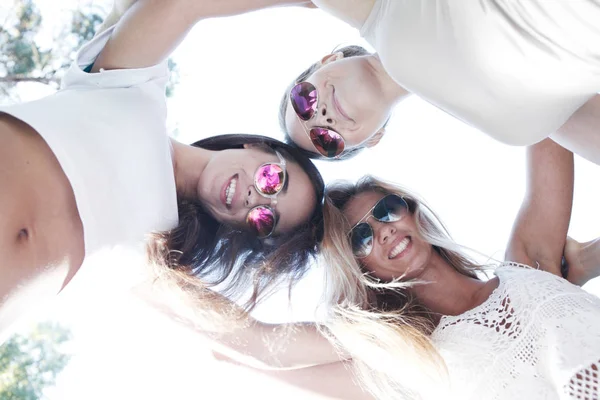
{"points": [[108, 132]]}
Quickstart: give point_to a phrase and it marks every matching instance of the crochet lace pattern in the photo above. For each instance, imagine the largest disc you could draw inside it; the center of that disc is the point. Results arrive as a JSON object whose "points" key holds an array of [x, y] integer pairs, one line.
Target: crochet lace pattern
{"points": [[536, 337]]}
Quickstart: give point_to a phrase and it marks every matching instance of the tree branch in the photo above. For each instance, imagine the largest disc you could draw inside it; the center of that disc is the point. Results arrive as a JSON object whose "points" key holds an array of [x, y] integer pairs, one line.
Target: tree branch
{"points": [[18, 79]]}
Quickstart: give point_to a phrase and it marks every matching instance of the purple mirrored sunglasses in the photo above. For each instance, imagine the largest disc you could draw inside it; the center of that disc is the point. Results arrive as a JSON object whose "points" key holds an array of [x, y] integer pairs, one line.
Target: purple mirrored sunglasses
{"points": [[305, 99]]}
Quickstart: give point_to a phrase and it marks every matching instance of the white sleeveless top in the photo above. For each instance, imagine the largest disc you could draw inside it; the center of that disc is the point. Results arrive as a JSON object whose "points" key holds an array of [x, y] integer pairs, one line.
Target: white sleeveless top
{"points": [[108, 132], [536, 337], [515, 69]]}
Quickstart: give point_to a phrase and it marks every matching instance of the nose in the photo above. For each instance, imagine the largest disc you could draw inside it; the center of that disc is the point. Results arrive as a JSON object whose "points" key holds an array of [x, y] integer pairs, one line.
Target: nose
{"points": [[384, 232], [324, 116], [253, 198]]}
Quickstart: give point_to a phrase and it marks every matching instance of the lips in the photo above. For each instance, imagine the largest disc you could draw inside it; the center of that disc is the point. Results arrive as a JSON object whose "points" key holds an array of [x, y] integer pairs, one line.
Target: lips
{"points": [[400, 247], [338, 106]]}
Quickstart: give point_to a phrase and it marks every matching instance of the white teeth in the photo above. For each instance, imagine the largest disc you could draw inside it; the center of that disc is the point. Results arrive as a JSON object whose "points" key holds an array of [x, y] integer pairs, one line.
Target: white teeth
{"points": [[230, 191], [400, 247]]}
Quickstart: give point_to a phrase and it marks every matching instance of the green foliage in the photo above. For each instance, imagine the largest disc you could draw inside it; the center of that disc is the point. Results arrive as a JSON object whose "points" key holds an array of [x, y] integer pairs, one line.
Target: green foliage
{"points": [[24, 59], [30, 363]]}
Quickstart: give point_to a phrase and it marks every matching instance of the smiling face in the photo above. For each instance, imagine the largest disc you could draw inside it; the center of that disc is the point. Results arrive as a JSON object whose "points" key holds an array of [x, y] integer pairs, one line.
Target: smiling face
{"points": [[227, 191], [398, 248], [350, 102]]}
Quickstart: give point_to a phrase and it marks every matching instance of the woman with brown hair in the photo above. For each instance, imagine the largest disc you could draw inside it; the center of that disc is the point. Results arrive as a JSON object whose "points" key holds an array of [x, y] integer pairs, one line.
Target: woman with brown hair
{"points": [[92, 166]]}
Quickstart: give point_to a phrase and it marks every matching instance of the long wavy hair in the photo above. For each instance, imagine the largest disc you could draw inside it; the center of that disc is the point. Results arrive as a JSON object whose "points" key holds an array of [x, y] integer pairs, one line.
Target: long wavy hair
{"points": [[347, 51], [201, 252], [381, 324]]}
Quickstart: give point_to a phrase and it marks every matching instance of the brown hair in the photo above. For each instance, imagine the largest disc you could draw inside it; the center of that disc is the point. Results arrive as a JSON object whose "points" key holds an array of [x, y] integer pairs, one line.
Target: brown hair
{"points": [[218, 254]]}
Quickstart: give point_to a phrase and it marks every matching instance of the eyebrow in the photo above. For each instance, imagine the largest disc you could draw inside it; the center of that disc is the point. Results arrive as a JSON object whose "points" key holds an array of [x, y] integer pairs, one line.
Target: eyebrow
{"points": [[366, 216]]}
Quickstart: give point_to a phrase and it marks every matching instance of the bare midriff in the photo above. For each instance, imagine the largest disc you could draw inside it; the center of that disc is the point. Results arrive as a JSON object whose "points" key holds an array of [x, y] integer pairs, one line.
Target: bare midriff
{"points": [[40, 229]]}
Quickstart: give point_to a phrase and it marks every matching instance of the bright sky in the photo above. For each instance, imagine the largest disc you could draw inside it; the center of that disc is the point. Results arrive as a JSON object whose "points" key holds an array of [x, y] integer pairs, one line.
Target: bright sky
{"points": [[233, 72]]}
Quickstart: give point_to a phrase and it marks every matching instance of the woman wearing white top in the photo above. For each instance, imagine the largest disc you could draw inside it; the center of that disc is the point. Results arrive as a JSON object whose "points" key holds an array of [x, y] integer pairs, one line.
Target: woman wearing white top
{"points": [[417, 321], [92, 166], [519, 71], [393, 268]]}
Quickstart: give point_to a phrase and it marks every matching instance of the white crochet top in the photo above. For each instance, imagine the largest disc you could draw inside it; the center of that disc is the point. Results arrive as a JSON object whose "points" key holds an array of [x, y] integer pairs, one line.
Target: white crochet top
{"points": [[536, 337]]}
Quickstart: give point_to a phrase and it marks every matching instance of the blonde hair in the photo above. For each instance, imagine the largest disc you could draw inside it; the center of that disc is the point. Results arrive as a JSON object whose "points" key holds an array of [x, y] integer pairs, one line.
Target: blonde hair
{"points": [[380, 324], [176, 291]]}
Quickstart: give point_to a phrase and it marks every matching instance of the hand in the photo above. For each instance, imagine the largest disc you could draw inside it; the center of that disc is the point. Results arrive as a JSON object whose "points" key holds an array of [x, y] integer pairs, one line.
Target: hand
{"points": [[583, 260]]}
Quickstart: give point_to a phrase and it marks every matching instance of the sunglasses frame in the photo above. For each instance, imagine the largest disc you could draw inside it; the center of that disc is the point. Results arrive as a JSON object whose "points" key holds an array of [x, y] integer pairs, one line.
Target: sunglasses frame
{"points": [[305, 128], [272, 197], [370, 214]]}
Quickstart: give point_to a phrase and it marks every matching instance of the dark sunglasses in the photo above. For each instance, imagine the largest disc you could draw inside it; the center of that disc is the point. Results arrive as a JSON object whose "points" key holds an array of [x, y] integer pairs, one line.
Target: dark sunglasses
{"points": [[305, 99], [391, 208], [269, 181]]}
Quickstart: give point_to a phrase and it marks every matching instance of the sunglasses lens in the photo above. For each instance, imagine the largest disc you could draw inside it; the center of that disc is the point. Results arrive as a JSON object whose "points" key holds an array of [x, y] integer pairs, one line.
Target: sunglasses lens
{"points": [[304, 100], [269, 179], [390, 208], [329, 143], [261, 220], [362, 240]]}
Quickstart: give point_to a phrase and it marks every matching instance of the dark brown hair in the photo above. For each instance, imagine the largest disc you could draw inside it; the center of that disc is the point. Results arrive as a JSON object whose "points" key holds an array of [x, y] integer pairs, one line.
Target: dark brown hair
{"points": [[347, 51], [219, 254]]}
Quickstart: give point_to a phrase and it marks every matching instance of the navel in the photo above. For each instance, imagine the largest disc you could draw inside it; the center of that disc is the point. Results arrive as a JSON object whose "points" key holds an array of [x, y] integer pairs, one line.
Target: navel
{"points": [[23, 234]]}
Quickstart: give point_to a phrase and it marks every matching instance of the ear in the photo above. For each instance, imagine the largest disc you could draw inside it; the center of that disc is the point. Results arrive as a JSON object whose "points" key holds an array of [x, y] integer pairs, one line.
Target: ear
{"points": [[373, 140], [338, 55]]}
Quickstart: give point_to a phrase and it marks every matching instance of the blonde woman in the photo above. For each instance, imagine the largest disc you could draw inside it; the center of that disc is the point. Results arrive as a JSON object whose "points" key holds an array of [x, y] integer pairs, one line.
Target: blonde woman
{"points": [[414, 318], [524, 333]]}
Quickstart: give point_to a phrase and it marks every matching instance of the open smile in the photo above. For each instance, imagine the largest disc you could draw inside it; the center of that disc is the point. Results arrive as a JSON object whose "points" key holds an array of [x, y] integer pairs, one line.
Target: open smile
{"points": [[401, 247], [229, 191]]}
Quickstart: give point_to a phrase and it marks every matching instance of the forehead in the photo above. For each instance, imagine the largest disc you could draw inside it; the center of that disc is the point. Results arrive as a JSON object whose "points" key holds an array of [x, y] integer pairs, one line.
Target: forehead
{"points": [[296, 205], [359, 205]]}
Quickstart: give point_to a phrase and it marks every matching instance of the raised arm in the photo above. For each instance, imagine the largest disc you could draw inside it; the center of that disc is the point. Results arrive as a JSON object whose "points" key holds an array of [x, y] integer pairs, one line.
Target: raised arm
{"points": [[540, 229], [151, 29], [241, 338], [276, 346]]}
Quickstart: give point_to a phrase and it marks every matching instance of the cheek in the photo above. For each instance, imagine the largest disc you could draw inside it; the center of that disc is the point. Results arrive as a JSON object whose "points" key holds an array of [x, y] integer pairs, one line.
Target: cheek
{"points": [[372, 265]]}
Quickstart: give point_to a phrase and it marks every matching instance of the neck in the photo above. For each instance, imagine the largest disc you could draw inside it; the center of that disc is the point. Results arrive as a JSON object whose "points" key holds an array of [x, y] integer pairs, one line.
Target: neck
{"points": [[392, 92], [447, 291], [188, 163]]}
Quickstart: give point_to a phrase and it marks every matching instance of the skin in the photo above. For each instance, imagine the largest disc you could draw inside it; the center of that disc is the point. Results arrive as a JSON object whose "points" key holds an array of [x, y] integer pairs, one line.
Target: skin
{"points": [[448, 293], [41, 240], [41, 235], [356, 98], [583, 260], [538, 236], [580, 134], [203, 174]]}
